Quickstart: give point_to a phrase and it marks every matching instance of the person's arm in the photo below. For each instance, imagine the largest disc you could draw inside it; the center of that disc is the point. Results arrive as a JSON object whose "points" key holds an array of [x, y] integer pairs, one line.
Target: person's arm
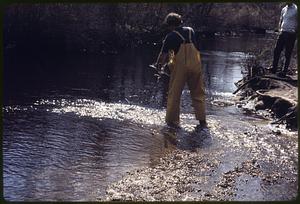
{"points": [[280, 20], [163, 54], [194, 40], [279, 24], [161, 59]]}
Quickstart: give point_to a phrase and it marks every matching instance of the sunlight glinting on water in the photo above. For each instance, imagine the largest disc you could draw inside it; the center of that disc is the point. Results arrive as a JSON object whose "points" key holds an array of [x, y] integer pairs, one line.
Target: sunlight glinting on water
{"points": [[122, 112], [117, 111]]}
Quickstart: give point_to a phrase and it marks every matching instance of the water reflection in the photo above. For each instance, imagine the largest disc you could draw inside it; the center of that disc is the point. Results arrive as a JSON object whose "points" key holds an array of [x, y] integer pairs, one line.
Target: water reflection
{"points": [[110, 78]]}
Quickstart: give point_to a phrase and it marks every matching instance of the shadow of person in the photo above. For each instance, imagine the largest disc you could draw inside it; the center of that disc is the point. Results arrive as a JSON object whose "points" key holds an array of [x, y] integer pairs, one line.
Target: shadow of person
{"points": [[179, 138], [169, 137], [197, 139]]}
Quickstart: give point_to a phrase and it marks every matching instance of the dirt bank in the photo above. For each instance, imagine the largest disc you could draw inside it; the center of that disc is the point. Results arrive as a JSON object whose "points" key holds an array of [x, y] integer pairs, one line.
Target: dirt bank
{"points": [[271, 97]]}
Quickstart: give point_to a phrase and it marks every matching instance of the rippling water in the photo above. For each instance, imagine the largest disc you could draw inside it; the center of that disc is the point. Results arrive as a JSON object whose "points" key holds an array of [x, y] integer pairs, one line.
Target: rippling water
{"points": [[72, 126]]}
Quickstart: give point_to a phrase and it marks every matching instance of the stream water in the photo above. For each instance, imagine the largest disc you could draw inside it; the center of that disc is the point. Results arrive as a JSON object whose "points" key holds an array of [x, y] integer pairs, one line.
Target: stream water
{"points": [[73, 125]]}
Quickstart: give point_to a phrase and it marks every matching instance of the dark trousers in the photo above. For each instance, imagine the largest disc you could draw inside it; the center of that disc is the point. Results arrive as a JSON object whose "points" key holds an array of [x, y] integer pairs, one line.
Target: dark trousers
{"points": [[286, 40]]}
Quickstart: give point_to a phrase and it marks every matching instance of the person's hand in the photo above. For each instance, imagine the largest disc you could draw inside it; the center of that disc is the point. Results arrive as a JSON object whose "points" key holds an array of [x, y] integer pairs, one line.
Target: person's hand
{"points": [[158, 66], [276, 31]]}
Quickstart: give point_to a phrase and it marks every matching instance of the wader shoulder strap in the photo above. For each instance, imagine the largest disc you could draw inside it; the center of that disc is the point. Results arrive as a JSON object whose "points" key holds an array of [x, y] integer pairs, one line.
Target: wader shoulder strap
{"points": [[179, 35], [190, 35]]}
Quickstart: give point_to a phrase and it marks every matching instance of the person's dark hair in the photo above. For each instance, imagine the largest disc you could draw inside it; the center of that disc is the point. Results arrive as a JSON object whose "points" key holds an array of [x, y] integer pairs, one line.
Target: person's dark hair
{"points": [[173, 19]]}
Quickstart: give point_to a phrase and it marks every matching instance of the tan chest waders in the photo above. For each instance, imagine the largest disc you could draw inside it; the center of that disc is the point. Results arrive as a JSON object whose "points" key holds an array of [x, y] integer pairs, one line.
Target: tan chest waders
{"points": [[185, 67]]}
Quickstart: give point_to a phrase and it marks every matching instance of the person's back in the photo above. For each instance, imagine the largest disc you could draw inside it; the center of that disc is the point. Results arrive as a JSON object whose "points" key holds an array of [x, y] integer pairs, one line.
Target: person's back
{"points": [[288, 19], [190, 56], [178, 36]]}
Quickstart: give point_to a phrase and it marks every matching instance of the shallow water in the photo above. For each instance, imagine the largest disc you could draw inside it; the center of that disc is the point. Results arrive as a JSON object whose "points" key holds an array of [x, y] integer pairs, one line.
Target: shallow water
{"points": [[74, 125]]}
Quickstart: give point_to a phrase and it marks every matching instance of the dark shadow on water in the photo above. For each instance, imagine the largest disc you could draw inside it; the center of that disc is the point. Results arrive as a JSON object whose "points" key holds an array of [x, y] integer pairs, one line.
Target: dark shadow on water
{"points": [[178, 138]]}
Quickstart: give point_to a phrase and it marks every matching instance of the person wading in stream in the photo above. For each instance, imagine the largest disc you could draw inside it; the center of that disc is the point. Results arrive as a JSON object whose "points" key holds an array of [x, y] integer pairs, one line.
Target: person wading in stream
{"points": [[288, 33], [183, 58]]}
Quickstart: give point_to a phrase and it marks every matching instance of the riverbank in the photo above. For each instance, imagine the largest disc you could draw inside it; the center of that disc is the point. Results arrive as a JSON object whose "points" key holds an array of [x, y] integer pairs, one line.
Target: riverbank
{"points": [[271, 97], [102, 28]]}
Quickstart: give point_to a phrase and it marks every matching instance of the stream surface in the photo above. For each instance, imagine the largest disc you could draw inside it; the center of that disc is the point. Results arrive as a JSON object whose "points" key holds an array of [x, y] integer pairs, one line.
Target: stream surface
{"points": [[74, 125]]}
